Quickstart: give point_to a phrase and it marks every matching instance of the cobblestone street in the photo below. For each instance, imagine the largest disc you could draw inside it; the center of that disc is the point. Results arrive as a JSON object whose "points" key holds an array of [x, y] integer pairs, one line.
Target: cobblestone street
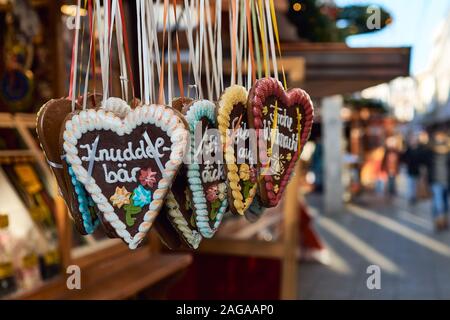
{"points": [[414, 259]]}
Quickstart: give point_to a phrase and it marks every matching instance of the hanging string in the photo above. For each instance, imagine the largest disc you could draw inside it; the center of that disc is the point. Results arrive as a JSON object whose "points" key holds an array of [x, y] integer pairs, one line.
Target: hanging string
{"points": [[72, 93], [233, 41], [169, 60], [252, 66], [91, 45], [179, 69], [145, 53], [262, 29], [151, 9], [92, 53], [277, 37], [127, 49], [256, 38], [80, 62], [212, 40], [139, 36], [161, 98], [271, 39], [219, 43], [151, 62], [121, 55], [240, 42], [192, 48]]}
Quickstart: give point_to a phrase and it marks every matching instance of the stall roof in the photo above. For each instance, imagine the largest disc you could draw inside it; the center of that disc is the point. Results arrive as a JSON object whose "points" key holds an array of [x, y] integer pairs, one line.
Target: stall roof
{"points": [[335, 68]]}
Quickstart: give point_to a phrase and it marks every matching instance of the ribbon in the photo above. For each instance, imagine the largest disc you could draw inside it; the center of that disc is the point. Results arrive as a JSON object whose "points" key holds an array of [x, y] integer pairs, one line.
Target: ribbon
{"points": [[91, 43], [262, 28], [73, 67], [127, 49], [54, 164], [250, 42], [161, 77], [179, 70], [255, 33]]}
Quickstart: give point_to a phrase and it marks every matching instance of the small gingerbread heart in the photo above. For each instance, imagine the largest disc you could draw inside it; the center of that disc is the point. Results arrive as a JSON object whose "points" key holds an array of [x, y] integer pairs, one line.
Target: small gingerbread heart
{"points": [[127, 164], [50, 119], [283, 122], [239, 152], [206, 175], [177, 208]]}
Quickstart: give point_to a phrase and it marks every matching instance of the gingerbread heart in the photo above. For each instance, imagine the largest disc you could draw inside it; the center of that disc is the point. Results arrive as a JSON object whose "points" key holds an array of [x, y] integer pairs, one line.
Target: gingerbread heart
{"points": [[206, 176], [50, 119], [283, 122], [239, 152], [127, 164], [177, 208]]}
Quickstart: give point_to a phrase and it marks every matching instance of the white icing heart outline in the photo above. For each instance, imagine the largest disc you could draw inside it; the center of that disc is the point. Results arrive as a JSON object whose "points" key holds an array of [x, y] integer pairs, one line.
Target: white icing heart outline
{"points": [[176, 218], [231, 97], [89, 120], [198, 110]]}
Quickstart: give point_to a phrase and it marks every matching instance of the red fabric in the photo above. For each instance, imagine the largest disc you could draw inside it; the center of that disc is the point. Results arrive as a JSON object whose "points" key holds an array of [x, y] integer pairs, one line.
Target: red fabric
{"points": [[308, 237], [214, 277]]}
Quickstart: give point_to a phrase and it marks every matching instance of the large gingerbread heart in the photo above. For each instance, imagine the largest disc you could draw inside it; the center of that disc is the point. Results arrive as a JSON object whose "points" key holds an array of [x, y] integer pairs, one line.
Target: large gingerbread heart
{"points": [[206, 176], [127, 163], [50, 119], [239, 152], [283, 122]]}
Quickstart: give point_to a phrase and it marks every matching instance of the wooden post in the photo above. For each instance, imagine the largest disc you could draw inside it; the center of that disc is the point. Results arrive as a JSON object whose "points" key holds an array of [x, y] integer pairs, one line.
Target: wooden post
{"points": [[289, 263], [64, 225]]}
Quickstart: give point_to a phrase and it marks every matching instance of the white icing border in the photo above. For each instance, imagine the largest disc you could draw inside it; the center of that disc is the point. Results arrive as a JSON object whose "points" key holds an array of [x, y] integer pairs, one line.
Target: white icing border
{"points": [[192, 237], [89, 120], [199, 109]]}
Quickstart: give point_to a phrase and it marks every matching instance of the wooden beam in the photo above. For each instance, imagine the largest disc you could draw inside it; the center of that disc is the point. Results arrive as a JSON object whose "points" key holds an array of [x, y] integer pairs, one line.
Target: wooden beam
{"points": [[289, 269], [247, 248], [117, 277]]}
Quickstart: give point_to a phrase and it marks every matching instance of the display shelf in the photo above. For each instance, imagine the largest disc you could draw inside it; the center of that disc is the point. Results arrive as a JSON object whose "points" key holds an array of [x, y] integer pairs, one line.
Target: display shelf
{"points": [[118, 277]]}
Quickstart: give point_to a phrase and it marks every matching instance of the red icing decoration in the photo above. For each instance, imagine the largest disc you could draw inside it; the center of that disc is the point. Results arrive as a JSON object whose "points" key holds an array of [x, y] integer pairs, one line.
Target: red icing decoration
{"points": [[261, 91], [147, 177]]}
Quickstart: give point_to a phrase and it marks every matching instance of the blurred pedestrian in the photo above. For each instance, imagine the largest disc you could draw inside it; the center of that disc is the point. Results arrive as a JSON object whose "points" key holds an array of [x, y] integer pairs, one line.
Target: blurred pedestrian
{"points": [[414, 158], [390, 165], [317, 165], [439, 176]]}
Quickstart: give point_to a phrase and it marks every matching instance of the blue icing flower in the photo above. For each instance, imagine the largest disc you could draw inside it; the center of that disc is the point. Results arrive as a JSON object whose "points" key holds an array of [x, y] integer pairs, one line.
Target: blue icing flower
{"points": [[141, 196]]}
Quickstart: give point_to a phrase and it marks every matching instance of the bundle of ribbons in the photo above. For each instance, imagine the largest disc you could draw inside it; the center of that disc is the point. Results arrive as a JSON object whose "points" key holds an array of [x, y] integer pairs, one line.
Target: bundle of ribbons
{"points": [[174, 161]]}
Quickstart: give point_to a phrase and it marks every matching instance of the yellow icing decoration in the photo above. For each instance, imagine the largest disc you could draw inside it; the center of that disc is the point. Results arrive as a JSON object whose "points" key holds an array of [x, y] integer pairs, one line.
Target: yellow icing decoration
{"points": [[244, 172], [232, 96], [120, 197]]}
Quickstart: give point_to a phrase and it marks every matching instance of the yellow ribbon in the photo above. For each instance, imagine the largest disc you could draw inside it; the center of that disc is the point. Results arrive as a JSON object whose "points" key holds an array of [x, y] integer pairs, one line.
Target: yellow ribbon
{"points": [[277, 37], [263, 37]]}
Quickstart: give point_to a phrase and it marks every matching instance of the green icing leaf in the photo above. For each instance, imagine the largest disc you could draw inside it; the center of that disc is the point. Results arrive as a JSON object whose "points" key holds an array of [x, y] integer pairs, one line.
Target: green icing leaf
{"points": [[247, 187], [214, 209], [130, 211], [193, 223]]}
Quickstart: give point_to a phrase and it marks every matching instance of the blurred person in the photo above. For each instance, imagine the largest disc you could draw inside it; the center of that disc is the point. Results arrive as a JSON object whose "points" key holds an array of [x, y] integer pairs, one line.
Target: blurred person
{"points": [[317, 165], [371, 173], [439, 176], [390, 165], [414, 159]]}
